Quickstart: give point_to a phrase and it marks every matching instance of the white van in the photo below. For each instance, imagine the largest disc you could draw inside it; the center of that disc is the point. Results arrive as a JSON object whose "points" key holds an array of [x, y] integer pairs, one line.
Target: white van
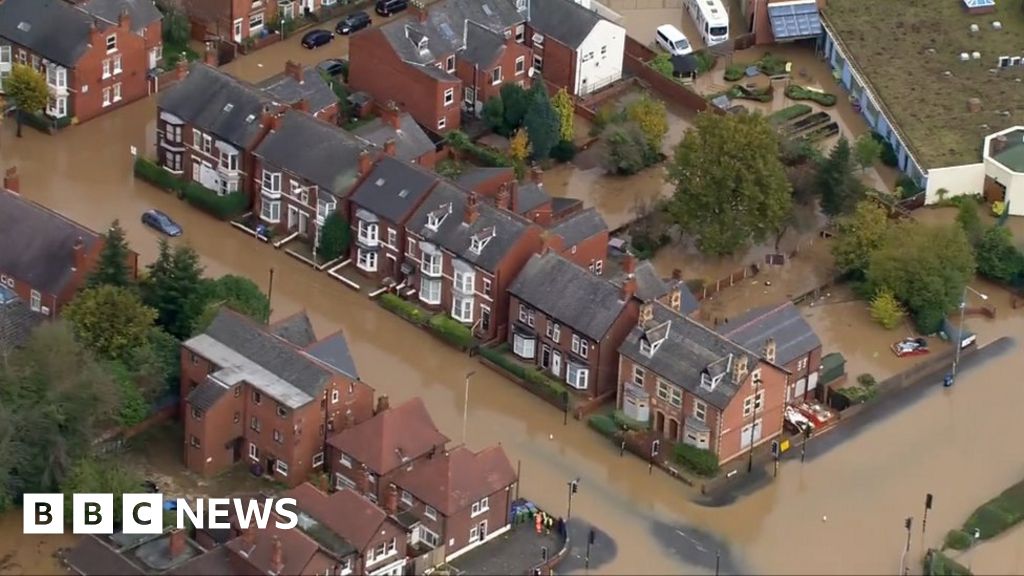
{"points": [[711, 18], [673, 41]]}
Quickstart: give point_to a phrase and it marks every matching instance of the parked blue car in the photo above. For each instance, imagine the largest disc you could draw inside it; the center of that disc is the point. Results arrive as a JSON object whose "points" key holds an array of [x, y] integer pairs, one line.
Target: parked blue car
{"points": [[316, 38], [161, 222]]}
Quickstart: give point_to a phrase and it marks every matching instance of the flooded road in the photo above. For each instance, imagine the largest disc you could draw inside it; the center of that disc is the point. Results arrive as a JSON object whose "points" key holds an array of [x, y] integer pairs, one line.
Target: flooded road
{"points": [[865, 488]]}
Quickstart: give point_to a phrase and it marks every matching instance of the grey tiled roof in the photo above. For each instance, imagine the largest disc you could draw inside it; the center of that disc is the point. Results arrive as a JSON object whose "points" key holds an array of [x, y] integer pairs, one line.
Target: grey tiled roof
{"points": [[688, 302], [529, 195], [455, 235], [573, 296], [649, 285], [483, 46], [689, 349], [560, 203], [563, 20], [313, 89], [216, 102], [411, 141], [445, 28], [473, 176], [393, 189], [54, 29], [37, 244], [324, 154], [206, 394], [580, 226], [334, 352], [92, 557], [793, 336], [142, 12], [296, 329]]}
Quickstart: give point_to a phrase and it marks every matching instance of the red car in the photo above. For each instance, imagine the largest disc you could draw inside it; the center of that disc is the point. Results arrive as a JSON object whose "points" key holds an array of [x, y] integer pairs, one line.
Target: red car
{"points": [[910, 347]]}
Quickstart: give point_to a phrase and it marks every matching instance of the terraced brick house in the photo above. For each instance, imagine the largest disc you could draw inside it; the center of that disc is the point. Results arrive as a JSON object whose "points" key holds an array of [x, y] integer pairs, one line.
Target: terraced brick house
{"points": [[397, 134], [438, 60], [303, 88], [304, 169], [266, 396], [96, 55], [698, 387], [230, 20]]}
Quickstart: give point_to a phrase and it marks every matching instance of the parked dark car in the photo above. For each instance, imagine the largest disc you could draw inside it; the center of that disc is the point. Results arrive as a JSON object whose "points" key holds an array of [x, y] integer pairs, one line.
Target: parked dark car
{"points": [[316, 38], [161, 222], [353, 22], [333, 67], [389, 7]]}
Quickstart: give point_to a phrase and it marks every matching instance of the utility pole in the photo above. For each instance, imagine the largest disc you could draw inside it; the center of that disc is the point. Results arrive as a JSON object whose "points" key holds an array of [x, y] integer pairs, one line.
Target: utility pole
{"points": [[574, 486], [753, 425], [270, 294], [908, 523], [465, 406], [924, 519]]}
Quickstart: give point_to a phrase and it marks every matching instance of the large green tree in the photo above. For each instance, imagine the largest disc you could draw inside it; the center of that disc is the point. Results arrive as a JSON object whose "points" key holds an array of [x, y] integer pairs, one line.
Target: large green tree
{"points": [[26, 89], [101, 476], [111, 321], [651, 117], [998, 258], [113, 267], [858, 236], [494, 114], [968, 218], [625, 149], [925, 267], [867, 150], [515, 101], [730, 188], [541, 121], [335, 237], [840, 189], [173, 287], [566, 109], [236, 292]]}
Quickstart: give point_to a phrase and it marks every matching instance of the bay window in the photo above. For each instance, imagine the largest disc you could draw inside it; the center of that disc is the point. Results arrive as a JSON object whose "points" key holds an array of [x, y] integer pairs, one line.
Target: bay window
{"points": [[270, 210], [462, 309], [367, 260], [272, 183], [368, 233], [430, 290], [229, 161], [524, 346], [464, 282], [431, 262], [576, 375]]}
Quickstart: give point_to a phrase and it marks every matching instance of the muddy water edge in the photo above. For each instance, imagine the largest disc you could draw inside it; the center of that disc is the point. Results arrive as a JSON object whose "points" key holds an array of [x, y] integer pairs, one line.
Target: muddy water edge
{"points": [[865, 488]]}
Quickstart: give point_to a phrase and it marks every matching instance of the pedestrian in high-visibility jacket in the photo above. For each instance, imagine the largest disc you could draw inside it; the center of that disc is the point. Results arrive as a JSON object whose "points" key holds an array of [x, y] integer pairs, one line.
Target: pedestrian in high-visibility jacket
{"points": [[539, 521]]}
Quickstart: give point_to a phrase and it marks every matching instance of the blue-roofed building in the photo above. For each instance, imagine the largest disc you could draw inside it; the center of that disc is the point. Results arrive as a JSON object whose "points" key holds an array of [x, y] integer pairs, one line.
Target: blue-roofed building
{"points": [[794, 20]]}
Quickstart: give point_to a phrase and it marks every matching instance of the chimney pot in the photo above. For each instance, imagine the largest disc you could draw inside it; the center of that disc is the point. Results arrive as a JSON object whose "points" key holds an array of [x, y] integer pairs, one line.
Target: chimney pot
{"points": [[276, 556], [392, 115], [365, 163], [176, 543], [301, 105], [294, 69], [391, 500], [471, 209], [739, 370], [675, 299], [11, 180], [629, 265], [646, 314], [390, 147], [551, 243], [537, 175], [383, 403], [769, 349]]}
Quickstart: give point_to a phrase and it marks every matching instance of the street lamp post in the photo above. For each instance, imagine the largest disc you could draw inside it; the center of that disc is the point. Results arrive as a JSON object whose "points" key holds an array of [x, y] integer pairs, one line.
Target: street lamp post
{"points": [[753, 424], [574, 486], [465, 406], [908, 523], [960, 330]]}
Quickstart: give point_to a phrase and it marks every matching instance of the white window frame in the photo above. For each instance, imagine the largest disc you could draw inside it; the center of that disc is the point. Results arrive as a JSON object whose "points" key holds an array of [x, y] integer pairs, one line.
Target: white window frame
{"points": [[670, 393], [117, 92], [253, 18], [366, 260], [281, 467], [449, 96], [442, 123], [431, 296], [638, 375], [431, 263], [254, 452], [449, 64], [753, 403], [801, 365], [111, 43], [392, 238], [106, 97], [270, 210], [577, 376], [520, 33], [487, 287], [462, 309], [35, 301], [345, 460], [406, 498], [335, 396], [106, 68], [117, 64], [318, 459], [479, 507], [599, 267], [430, 512], [464, 282], [496, 76], [368, 232], [524, 346], [700, 410], [520, 65]]}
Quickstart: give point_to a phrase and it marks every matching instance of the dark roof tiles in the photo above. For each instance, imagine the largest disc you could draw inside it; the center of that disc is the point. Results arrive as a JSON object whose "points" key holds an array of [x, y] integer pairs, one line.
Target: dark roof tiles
{"points": [[564, 20], [391, 437], [793, 336], [452, 482], [393, 189]]}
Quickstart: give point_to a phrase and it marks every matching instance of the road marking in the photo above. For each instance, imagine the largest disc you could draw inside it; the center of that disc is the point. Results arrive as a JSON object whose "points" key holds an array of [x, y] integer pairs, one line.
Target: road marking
{"points": [[694, 542]]}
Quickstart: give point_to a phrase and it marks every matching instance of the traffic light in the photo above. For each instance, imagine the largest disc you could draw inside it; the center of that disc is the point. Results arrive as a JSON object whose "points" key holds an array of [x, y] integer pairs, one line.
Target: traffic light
{"points": [[928, 502], [908, 522], [775, 448], [544, 553], [575, 484], [655, 447]]}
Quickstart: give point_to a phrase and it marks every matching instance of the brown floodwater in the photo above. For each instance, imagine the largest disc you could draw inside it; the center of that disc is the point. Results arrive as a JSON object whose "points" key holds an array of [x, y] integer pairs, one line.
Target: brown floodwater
{"points": [[948, 442]]}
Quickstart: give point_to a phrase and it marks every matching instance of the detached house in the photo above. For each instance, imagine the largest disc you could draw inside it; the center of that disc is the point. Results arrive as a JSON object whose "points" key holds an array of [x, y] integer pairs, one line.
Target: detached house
{"points": [[696, 386], [303, 169], [462, 254], [573, 47], [303, 88], [440, 59], [366, 457], [571, 322], [46, 258], [267, 396], [784, 338], [207, 127], [96, 55], [461, 498]]}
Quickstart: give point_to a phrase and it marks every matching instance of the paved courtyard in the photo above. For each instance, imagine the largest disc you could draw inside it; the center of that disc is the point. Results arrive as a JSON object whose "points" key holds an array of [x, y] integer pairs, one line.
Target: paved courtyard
{"points": [[514, 552]]}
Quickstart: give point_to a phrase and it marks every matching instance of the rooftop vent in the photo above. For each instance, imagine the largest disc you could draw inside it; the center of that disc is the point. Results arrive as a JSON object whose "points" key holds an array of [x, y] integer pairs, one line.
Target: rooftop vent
{"points": [[403, 193], [997, 25], [24, 26], [379, 182], [228, 107]]}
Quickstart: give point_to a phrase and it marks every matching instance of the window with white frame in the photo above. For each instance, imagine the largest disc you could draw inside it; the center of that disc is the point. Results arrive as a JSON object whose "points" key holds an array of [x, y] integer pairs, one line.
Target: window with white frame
{"points": [[487, 286], [520, 65], [669, 393], [106, 97], [700, 410], [430, 264], [801, 365], [430, 512], [172, 161], [254, 424], [392, 238], [538, 62], [753, 403], [335, 396], [462, 309], [520, 33], [324, 208], [479, 507], [496, 75], [428, 537], [282, 467], [345, 460], [270, 210], [368, 232], [35, 301], [172, 133], [406, 498], [256, 22], [576, 375], [478, 532], [117, 64], [57, 107], [449, 96], [318, 459], [580, 346], [254, 452], [442, 122], [468, 95], [278, 437], [207, 144], [524, 346], [106, 68], [229, 161], [367, 260], [599, 267], [111, 42], [638, 375], [410, 246], [430, 290], [464, 282], [449, 63]]}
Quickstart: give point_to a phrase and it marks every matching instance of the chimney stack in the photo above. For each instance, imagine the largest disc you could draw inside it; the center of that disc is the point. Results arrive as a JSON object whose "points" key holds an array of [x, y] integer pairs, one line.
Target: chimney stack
{"points": [[628, 287], [419, 9], [124, 19], [769, 350], [391, 500], [78, 248], [210, 55], [629, 265], [382, 404], [294, 69], [249, 539], [537, 176], [301, 105], [504, 198], [365, 163], [392, 115], [739, 370], [276, 556], [675, 299], [11, 180], [646, 314], [471, 210], [176, 543], [390, 147]]}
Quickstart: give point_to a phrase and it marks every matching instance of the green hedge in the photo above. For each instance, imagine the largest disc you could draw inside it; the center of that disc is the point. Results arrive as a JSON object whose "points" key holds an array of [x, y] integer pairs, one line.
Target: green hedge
{"points": [[734, 72], [957, 540], [998, 514], [697, 460], [481, 154], [857, 394], [156, 175], [451, 330], [938, 564], [771, 65], [604, 424], [42, 122], [535, 380], [789, 113], [224, 207], [406, 310], [623, 421], [797, 92]]}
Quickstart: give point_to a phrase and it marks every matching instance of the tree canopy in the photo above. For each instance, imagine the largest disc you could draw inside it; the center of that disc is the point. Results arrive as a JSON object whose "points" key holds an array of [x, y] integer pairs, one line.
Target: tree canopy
{"points": [[101, 476], [334, 237], [730, 188], [113, 267], [652, 118], [625, 149], [541, 121], [858, 236], [998, 258], [867, 150], [27, 90], [237, 293], [968, 218], [515, 101], [566, 110], [173, 287], [840, 189], [111, 321]]}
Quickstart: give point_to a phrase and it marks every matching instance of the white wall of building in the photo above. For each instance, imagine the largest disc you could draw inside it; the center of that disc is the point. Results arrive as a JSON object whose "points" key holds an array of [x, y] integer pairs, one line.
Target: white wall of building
{"points": [[599, 57], [956, 180]]}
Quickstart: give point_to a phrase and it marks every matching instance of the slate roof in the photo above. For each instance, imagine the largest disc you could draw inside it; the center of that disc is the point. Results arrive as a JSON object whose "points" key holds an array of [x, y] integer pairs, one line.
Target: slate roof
{"points": [[456, 236], [393, 189], [217, 103], [473, 176], [206, 395], [571, 295], [411, 141], [296, 329], [38, 243], [403, 431], [216, 562], [334, 351], [345, 513], [580, 226], [323, 154], [54, 29], [528, 196], [313, 89], [649, 285], [17, 320], [453, 482], [92, 557], [142, 12], [563, 20], [688, 303], [794, 337], [299, 550], [689, 349], [483, 46], [446, 30]]}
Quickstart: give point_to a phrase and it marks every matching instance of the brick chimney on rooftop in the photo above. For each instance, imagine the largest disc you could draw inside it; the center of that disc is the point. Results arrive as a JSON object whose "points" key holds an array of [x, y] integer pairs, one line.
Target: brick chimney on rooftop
{"points": [[471, 209], [294, 69], [392, 115], [537, 175], [124, 19], [390, 147], [276, 556], [365, 163], [181, 69], [301, 105], [504, 197], [11, 180], [383, 403], [210, 56], [176, 543], [391, 500]]}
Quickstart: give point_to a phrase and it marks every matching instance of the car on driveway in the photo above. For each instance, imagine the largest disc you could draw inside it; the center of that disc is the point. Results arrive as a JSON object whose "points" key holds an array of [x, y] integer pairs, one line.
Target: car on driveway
{"points": [[316, 38], [332, 67], [353, 23], [389, 7], [161, 222]]}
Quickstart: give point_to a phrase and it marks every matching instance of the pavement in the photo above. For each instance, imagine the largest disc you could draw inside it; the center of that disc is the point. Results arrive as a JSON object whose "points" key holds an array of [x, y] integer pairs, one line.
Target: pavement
{"points": [[516, 551]]}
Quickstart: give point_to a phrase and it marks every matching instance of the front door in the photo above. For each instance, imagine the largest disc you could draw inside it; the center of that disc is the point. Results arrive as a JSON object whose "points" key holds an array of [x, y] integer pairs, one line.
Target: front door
{"points": [[485, 318], [293, 218], [750, 434], [307, 6], [270, 467], [237, 30], [556, 363], [303, 223], [659, 423], [545, 356]]}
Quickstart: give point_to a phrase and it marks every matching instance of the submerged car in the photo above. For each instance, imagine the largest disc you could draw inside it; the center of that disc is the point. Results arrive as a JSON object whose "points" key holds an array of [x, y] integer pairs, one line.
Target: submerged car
{"points": [[316, 38], [910, 347], [332, 67], [161, 222], [796, 422]]}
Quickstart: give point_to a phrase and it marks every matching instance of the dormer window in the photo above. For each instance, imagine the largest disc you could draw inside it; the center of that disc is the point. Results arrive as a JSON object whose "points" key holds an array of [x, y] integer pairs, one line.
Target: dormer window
{"points": [[520, 5], [708, 381], [480, 239], [422, 44], [648, 348]]}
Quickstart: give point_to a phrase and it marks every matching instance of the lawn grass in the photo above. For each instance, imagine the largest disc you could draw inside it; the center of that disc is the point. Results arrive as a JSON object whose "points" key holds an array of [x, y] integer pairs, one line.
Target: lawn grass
{"points": [[891, 45]]}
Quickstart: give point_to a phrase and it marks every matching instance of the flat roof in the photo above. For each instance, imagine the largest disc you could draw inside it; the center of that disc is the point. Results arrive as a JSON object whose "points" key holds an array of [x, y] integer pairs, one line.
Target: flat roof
{"points": [[1012, 155], [902, 50]]}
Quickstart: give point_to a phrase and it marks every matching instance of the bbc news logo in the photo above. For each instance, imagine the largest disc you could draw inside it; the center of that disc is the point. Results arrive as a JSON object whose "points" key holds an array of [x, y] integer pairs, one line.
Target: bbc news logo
{"points": [[144, 513]]}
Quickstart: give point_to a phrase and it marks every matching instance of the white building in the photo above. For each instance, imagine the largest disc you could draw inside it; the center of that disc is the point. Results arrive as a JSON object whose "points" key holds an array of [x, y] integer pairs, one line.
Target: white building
{"points": [[1004, 169]]}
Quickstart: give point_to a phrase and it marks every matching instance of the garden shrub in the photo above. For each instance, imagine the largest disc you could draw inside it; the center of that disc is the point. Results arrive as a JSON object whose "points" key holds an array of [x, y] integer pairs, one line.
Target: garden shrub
{"points": [[705, 61], [482, 154], [564, 151], [857, 394], [908, 186], [938, 564], [866, 380], [535, 380], [957, 540], [888, 156], [451, 330], [789, 113], [407, 310], [224, 207], [734, 72], [604, 424], [797, 92], [156, 175], [771, 65], [698, 460], [623, 421]]}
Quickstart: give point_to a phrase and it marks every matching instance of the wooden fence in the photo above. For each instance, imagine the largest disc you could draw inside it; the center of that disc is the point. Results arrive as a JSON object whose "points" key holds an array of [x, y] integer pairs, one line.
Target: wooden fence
{"points": [[712, 288]]}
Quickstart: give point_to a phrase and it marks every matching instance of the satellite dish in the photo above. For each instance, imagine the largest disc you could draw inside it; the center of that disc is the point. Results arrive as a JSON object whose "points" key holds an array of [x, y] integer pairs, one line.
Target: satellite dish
{"points": [[531, 71]]}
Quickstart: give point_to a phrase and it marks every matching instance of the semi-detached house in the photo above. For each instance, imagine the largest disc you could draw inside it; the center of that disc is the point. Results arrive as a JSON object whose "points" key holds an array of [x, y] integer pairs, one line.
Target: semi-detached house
{"points": [[96, 55]]}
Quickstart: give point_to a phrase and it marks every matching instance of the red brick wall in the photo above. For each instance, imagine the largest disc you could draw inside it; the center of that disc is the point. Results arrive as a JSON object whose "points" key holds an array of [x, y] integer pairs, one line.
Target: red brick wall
{"points": [[606, 378], [774, 386], [88, 71], [459, 524], [588, 251], [559, 63], [484, 79]]}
